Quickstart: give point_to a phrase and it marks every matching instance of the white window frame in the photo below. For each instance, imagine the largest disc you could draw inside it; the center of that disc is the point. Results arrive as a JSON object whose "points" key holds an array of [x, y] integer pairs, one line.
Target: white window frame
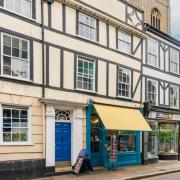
{"points": [[28, 60], [177, 98], [156, 93], [86, 25], [29, 142], [127, 72], [94, 75], [20, 14], [122, 40], [173, 59], [154, 54]]}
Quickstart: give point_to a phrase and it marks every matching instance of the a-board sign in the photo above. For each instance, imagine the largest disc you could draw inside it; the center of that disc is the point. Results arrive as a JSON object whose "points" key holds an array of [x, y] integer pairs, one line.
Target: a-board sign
{"points": [[78, 165]]}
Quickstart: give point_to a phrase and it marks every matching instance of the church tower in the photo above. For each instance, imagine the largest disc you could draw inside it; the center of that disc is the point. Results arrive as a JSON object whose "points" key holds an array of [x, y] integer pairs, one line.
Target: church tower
{"points": [[156, 13]]}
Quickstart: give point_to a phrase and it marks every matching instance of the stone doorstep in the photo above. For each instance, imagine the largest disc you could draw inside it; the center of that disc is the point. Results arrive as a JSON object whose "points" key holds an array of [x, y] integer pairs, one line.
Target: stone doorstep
{"points": [[148, 175]]}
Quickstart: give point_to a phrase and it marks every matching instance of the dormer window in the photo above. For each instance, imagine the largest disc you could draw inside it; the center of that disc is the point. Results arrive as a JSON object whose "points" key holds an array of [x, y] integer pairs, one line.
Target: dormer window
{"points": [[155, 18]]}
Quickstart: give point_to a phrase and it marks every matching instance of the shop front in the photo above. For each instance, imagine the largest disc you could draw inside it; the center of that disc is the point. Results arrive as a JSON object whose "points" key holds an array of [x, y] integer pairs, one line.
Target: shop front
{"points": [[163, 141], [113, 135]]}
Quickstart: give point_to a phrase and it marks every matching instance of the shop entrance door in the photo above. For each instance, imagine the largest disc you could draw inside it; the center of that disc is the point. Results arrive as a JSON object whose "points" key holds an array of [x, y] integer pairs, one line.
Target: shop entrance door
{"points": [[96, 142]]}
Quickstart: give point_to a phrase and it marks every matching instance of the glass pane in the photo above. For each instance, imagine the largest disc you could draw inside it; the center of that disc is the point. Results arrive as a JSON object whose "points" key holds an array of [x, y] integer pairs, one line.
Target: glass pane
{"points": [[24, 123], [15, 135], [6, 122], [7, 50], [23, 69], [23, 135], [7, 61], [7, 40], [6, 112], [15, 122], [15, 68], [23, 113], [15, 42], [15, 52], [6, 137], [24, 45], [26, 8], [15, 113], [7, 70]]}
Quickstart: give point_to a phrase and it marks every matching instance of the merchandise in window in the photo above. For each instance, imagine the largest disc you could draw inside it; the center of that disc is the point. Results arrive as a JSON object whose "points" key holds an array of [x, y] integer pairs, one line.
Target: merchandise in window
{"points": [[152, 50], [15, 125], [174, 61], [85, 74], [87, 27], [15, 57], [124, 82], [152, 91], [174, 96], [22, 7], [124, 42]]}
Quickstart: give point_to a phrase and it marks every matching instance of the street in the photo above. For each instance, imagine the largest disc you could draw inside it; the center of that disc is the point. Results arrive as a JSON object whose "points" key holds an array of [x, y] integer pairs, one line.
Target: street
{"points": [[173, 176]]}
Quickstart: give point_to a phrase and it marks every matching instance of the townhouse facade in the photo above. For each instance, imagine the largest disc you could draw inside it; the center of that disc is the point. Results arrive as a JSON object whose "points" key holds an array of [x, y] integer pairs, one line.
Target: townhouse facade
{"points": [[73, 76]]}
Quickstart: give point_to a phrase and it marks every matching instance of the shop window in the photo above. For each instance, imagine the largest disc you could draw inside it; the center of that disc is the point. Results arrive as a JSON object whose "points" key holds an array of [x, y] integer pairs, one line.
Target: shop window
{"points": [[152, 53], [124, 82], [87, 27], [156, 19], [95, 135], [126, 140], [168, 139], [174, 96], [152, 91], [16, 125], [174, 61], [22, 7], [62, 115], [85, 79], [124, 42], [15, 57]]}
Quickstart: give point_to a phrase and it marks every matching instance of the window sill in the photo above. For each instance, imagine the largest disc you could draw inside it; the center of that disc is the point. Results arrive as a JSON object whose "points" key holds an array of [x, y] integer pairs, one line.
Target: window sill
{"points": [[16, 144], [83, 90], [123, 97], [17, 79], [31, 19], [86, 39], [156, 67]]}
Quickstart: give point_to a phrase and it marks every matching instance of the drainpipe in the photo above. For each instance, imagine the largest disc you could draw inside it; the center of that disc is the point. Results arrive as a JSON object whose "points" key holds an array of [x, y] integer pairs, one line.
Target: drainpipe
{"points": [[43, 50]]}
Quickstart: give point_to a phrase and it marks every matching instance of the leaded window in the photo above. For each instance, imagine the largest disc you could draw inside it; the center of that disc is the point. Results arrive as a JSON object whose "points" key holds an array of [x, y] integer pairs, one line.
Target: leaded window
{"points": [[124, 82], [15, 57], [85, 79], [174, 61], [152, 91], [124, 42], [152, 53], [87, 27], [15, 125], [174, 96], [62, 115], [22, 7], [156, 19]]}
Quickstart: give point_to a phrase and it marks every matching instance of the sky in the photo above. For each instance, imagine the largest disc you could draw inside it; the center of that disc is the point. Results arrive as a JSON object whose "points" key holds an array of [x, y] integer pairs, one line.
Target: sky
{"points": [[175, 18]]}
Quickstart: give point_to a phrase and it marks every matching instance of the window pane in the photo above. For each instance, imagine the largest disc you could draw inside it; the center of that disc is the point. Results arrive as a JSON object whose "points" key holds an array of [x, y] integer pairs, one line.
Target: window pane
{"points": [[6, 112], [15, 134], [15, 122], [15, 42], [23, 113], [23, 135], [6, 137], [7, 50], [7, 40]]}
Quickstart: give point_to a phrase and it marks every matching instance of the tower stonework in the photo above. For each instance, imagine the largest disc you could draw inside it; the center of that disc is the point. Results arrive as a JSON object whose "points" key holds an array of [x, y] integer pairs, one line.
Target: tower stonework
{"points": [[163, 6]]}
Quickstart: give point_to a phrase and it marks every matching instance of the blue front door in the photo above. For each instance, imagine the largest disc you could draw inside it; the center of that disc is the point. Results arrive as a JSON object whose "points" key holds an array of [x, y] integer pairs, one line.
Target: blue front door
{"points": [[63, 141]]}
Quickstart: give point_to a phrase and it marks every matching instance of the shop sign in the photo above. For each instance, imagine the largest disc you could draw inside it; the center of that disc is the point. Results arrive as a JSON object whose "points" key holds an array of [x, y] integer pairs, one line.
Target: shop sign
{"points": [[160, 115]]}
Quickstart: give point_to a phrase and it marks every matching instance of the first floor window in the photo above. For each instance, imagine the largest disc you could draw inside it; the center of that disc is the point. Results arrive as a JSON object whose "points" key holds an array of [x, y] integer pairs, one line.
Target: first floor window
{"points": [[124, 82], [152, 91], [15, 124], [174, 61], [152, 52], [87, 27], [15, 57], [174, 96], [85, 79], [124, 42], [22, 7]]}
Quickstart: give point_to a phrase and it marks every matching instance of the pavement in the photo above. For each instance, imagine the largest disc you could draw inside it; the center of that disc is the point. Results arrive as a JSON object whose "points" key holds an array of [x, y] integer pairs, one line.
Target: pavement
{"points": [[126, 173]]}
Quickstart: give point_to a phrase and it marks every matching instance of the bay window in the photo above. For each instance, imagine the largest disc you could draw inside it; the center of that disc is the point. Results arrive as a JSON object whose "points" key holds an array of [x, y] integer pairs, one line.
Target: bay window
{"points": [[124, 82], [152, 53], [15, 57], [85, 78]]}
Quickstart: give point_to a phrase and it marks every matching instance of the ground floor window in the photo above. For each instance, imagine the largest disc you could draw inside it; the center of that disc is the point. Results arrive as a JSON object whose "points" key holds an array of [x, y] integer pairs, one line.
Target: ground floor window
{"points": [[126, 140], [15, 125]]}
